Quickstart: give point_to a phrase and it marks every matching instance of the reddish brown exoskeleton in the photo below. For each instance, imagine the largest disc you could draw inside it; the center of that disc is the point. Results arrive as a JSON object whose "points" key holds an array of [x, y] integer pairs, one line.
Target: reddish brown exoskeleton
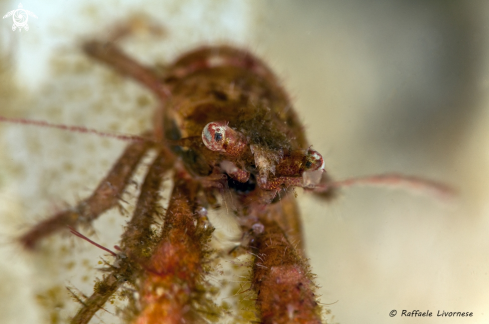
{"points": [[224, 124]]}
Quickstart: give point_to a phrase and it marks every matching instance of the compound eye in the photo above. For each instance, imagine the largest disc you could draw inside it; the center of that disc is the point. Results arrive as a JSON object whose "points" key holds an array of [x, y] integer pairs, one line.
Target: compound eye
{"points": [[314, 160], [218, 137], [214, 135]]}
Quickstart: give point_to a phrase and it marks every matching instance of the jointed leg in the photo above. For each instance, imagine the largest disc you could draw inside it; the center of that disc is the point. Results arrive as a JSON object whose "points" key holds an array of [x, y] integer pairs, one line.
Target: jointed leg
{"points": [[281, 279], [110, 54], [106, 196], [138, 234], [97, 300], [135, 241], [171, 291]]}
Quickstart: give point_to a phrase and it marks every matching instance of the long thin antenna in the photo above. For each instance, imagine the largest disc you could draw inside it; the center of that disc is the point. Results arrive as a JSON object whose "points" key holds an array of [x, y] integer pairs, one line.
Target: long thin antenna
{"points": [[393, 180], [78, 129]]}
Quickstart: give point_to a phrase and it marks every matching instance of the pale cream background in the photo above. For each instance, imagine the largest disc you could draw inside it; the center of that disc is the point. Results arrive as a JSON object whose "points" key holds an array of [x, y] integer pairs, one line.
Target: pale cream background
{"points": [[381, 86]]}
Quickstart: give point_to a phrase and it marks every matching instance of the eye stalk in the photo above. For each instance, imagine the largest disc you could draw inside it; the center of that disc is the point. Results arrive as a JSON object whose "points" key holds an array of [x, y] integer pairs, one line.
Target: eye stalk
{"points": [[219, 137], [314, 168], [214, 136], [295, 163], [314, 160]]}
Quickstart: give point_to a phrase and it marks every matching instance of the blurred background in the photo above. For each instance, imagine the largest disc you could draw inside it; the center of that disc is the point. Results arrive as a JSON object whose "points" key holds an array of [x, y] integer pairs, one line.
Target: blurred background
{"points": [[381, 86]]}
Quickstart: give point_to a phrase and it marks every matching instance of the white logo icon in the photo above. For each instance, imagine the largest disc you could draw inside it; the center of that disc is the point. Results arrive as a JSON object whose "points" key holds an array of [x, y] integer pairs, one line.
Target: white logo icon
{"points": [[20, 17]]}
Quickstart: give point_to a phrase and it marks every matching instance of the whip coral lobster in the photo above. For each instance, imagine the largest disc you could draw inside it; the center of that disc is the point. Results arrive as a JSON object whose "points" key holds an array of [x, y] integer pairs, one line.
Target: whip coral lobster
{"points": [[224, 124]]}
